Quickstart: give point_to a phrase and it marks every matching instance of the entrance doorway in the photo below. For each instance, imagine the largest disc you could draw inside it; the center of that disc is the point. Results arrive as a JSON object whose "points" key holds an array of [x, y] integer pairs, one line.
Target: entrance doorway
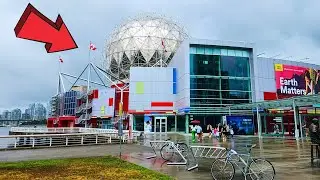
{"points": [[160, 125]]}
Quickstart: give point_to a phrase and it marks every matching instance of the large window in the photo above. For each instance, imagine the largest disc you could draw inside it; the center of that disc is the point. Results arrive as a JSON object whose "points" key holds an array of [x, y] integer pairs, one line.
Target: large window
{"points": [[235, 66], [197, 82], [219, 76], [204, 65]]}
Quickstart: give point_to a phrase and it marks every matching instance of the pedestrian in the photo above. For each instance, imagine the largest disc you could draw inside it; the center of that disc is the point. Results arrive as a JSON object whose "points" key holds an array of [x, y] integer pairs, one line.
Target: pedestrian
{"points": [[199, 132], [231, 131], [216, 133], [209, 129]]}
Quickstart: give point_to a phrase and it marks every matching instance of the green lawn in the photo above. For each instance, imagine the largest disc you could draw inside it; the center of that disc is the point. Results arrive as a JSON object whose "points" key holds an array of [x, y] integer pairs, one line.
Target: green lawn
{"points": [[106, 167]]}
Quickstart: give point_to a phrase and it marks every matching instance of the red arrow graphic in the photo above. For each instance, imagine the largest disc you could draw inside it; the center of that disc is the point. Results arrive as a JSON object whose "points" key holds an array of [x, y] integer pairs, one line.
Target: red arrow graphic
{"points": [[36, 27]]}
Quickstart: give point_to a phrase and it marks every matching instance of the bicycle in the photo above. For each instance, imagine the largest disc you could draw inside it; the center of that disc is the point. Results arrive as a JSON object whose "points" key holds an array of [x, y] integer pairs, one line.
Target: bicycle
{"points": [[256, 168], [167, 151]]}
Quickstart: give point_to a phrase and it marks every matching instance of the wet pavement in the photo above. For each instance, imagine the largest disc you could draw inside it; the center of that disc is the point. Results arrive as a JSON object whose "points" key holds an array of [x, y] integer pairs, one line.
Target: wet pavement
{"points": [[291, 158]]}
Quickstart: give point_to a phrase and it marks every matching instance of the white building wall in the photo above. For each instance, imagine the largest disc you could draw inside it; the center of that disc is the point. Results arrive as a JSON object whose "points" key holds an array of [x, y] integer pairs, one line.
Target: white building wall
{"points": [[181, 61], [265, 80], [101, 106], [157, 87]]}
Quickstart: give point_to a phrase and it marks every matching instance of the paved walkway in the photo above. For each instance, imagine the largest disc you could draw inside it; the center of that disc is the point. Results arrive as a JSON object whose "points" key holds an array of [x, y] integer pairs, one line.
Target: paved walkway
{"points": [[291, 158]]}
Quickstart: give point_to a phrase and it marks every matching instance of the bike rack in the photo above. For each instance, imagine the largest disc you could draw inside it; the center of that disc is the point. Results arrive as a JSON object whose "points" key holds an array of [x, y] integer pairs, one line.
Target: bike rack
{"points": [[193, 153], [209, 152], [157, 145]]}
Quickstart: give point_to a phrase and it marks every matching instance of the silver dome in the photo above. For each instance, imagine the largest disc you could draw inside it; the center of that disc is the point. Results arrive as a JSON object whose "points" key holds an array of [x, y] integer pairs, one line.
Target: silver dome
{"points": [[145, 41]]}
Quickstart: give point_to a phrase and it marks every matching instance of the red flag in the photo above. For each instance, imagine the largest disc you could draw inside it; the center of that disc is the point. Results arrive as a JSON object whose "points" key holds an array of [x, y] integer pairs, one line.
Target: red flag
{"points": [[60, 59], [92, 47], [162, 42]]}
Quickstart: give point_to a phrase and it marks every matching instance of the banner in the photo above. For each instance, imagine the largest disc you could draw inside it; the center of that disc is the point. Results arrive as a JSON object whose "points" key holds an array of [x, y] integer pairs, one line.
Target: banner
{"points": [[296, 81], [241, 125]]}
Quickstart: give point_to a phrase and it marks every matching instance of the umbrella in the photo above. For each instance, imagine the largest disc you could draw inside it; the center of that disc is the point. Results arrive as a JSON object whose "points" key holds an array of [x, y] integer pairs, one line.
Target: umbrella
{"points": [[195, 122]]}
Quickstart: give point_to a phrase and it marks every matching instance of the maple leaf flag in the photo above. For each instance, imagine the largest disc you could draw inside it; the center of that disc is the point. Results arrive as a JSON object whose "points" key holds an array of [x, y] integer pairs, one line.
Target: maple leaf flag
{"points": [[60, 59], [92, 47]]}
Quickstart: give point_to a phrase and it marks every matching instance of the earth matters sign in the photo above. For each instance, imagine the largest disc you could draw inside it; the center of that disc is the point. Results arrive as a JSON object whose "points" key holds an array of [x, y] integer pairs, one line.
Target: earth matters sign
{"points": [[296, 81]]}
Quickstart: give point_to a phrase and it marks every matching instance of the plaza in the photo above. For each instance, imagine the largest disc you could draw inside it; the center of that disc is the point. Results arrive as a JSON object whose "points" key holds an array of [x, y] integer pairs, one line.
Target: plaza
{"points": [[290, 158]]}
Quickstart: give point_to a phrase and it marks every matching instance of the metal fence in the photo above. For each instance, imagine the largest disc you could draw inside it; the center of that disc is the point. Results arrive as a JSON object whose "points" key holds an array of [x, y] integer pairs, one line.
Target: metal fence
{"points": [[50, 140]]}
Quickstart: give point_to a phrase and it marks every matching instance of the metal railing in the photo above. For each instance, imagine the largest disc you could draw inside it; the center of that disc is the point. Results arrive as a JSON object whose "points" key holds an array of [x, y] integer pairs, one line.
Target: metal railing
{"points": [[51, 140], [135, 134]]}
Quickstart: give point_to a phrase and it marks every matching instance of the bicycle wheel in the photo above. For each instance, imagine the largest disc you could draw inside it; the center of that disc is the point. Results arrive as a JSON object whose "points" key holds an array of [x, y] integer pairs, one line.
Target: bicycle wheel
{"points": [[261, 169], [221, 169], [183, 149], [167, 152]]}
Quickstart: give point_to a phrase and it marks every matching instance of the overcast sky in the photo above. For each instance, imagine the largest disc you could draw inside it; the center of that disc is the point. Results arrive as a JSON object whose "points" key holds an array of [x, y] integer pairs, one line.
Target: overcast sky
{"points": [[28, 74]]}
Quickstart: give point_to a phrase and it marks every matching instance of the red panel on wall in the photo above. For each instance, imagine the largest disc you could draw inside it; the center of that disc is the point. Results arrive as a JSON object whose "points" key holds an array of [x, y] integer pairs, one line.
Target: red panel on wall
{"points": [[118, 97], [161, 104], [95, 94], [110, 101], [270, 95]]}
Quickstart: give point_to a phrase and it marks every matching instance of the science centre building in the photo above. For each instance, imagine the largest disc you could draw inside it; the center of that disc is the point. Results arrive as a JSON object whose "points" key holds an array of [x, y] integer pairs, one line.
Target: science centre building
{"points": [[174, 79]]}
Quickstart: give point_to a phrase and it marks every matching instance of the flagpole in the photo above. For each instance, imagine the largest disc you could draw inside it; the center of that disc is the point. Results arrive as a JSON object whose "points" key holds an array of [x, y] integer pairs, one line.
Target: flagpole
{"points": [[88, 85]]}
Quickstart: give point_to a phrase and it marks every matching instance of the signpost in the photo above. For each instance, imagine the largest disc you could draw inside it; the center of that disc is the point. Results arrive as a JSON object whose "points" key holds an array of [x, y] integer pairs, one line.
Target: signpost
{"points": [[120, 127]]}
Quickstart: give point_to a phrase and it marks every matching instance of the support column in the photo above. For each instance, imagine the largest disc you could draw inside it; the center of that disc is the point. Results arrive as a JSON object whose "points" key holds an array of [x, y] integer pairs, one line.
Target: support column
{"points": [[259, 122], [295, 116], [265, 124], [175, 123], [300, 123], [187, 124]]}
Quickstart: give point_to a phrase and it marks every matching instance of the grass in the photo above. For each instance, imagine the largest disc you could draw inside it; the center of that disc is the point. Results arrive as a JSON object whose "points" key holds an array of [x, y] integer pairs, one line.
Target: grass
{"points": [[106, 167]]}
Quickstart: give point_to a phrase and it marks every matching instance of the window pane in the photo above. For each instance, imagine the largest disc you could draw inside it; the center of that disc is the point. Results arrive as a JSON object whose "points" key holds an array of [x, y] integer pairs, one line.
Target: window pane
{"points": [[238, 53], [245, 54], [231, 52], [235, 84], [216, 51], [224, 52], [193, 50], [235, 95], [204, 65], [208, 50], [235, 66], [200, 49], [204, 94], [204, 83]]}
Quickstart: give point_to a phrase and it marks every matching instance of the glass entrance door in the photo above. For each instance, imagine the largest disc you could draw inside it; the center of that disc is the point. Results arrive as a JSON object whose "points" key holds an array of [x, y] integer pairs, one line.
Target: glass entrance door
{"points": [[160, 124]]}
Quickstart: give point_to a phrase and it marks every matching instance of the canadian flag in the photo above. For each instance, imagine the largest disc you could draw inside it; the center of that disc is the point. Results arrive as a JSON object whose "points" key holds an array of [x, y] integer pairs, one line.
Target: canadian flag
{"points": [[92, 47], [60, 59]]}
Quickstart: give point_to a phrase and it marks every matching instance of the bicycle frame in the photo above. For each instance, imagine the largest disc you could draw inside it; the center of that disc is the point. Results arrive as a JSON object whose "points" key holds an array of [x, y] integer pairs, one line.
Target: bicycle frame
{"points": [[246, 170]]}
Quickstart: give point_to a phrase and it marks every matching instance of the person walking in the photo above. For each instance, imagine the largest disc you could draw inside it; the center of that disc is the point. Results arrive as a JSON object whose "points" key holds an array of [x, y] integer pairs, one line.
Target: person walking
{"points": [[209, 129], [199, 133], [314, 131]]}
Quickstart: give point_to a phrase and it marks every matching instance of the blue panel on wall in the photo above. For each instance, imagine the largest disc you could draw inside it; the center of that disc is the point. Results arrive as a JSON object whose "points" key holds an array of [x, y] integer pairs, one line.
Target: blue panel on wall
{"points": [[174, 89], [174, 75]]}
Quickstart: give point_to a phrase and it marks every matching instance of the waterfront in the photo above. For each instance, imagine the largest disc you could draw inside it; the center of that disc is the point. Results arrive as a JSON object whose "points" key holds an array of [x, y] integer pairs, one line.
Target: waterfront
{"points": [[4, 131]]}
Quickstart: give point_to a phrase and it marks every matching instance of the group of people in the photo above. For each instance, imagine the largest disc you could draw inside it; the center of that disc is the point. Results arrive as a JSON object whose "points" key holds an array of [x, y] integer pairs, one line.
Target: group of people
{"points": [[220, 131]]}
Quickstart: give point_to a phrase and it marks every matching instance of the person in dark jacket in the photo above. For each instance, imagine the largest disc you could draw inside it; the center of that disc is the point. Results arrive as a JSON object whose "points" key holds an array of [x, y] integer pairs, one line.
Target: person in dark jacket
{"points": [[314, 131]]}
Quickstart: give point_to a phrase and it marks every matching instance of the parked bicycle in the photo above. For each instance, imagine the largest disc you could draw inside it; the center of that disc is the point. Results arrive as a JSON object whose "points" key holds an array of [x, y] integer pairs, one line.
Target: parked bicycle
{"points": [[256, 168], [168, 151]]}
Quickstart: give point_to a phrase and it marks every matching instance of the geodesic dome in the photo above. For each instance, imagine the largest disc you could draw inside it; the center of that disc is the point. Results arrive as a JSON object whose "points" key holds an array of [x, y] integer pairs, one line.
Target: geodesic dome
{"points": [[145, 41]]}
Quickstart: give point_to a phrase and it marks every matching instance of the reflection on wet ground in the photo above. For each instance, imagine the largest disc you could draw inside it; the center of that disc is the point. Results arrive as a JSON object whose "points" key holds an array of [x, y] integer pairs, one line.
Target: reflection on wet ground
{"points": [[291, 158]]}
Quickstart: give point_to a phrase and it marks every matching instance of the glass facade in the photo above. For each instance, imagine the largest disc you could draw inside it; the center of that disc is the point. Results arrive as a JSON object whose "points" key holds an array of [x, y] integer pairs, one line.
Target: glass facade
{"points": [[219, 76], [69, 103]]}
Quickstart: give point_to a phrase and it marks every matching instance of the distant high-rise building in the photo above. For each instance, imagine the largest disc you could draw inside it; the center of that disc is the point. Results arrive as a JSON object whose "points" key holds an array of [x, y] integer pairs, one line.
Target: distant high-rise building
{"points": [[5, 115], [16, 114]]}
